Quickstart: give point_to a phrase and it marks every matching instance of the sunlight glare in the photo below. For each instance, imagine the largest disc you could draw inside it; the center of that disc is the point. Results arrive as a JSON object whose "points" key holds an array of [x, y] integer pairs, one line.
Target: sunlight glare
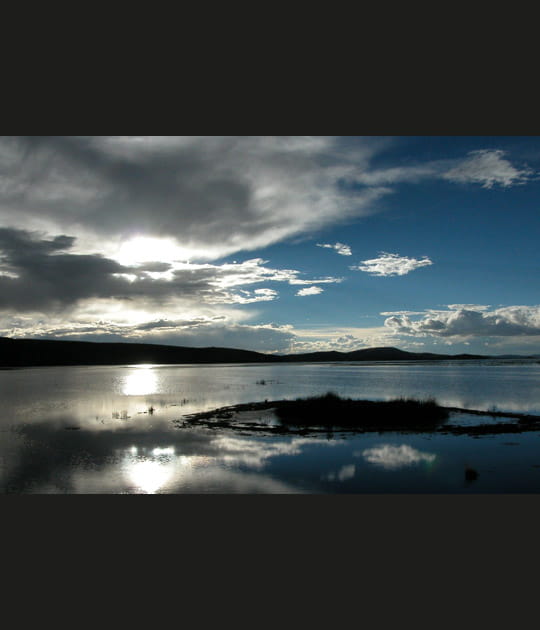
{"points": [[142, 381], [159, 467], [143, 249], [150, 476]]}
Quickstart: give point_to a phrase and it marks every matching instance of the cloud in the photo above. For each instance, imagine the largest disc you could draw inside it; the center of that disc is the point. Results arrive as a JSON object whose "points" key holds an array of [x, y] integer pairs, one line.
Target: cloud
{"points": [[326, 280], [212, 195], [391, 265], [196, 332], [208, 196], [340, 248], [340, 339], [469, 307], [466, 323], [390, 313], [48, 292], [162, 461], [487, 167], [310, 291], [40, 273], [400, 174]]}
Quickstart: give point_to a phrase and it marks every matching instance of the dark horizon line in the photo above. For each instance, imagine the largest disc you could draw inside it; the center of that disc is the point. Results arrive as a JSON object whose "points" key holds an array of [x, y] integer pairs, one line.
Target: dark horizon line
{"points": [[28, 352]]}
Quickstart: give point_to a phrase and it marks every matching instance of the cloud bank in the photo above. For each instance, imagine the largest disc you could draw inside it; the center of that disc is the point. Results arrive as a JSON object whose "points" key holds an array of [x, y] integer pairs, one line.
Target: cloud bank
{"points": [[463, 323], [39, 273], [212, 195]]}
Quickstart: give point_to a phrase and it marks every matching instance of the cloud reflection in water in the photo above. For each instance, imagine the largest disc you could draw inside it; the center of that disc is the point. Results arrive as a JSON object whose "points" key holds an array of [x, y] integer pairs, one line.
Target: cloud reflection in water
{"points": [[392, 457], [252, 453], [136, 460], [343, 474]]}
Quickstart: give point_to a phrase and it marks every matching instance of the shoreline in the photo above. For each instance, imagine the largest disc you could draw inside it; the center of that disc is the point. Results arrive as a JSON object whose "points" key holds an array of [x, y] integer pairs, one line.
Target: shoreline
{"points": [[231, 417]]}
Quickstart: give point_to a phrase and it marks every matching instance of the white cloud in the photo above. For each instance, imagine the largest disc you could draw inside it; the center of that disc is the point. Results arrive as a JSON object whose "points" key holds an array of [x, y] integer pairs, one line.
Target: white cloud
{"points": [[326, 280], [215, 331], [487, 167], [340, 248], [244, 297], [390, 313], [340, 339], [310, 291], [468, 307], [399, 174], [391, 265], [463, 323]]}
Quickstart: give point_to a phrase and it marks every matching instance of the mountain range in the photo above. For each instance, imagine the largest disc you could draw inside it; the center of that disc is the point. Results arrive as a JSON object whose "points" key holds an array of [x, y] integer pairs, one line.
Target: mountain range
{"points": [[43, 352]]}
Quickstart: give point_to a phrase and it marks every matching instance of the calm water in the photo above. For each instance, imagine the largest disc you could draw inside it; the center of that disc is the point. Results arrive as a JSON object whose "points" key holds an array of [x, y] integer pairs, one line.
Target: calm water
{"points": [[89, 430]]}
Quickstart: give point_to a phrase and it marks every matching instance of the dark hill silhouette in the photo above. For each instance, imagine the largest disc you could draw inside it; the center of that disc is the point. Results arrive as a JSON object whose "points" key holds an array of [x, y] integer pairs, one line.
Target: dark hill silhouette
{"points": [[377, 354], [42, 352], [36, 352]]}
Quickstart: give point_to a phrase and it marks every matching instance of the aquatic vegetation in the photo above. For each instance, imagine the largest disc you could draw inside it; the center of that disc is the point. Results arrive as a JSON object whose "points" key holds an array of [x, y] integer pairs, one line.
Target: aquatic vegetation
{"points": [[120, 416], [331, 410]]}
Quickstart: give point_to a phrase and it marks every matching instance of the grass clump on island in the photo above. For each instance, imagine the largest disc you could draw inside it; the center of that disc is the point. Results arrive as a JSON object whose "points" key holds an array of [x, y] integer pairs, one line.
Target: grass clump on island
{"points": [[330, 410]]}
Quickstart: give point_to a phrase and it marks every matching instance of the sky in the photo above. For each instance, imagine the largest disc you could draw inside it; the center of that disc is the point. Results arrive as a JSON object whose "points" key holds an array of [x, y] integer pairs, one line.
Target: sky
{"points": [[279, 244]]}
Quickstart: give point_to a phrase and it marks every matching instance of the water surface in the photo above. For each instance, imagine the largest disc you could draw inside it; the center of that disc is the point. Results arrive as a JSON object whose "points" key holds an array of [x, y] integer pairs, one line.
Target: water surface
{"points": [[111, 429]]}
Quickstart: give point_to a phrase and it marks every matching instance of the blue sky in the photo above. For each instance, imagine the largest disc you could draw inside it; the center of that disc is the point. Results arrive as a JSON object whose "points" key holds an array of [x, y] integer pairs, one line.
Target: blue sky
{"points": [[277, 244]]}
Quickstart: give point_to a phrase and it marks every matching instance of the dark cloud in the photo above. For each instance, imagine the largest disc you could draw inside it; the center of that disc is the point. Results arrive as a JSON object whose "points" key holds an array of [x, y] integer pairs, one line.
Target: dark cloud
{"points": [[42, 278], [36, 273], [219, 194]]}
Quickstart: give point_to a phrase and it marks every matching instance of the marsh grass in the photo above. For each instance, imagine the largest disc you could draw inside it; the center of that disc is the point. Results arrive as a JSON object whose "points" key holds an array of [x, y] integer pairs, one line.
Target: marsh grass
{"points": [[330, 410]]}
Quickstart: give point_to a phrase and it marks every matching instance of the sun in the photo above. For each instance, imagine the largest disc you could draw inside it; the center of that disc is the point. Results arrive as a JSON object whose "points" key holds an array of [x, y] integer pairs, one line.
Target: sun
{"points": [[143, 249]]}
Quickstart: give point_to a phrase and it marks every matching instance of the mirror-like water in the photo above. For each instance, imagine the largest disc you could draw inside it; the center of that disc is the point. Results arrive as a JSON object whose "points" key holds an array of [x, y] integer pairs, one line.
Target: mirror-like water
{"points": [[110, 429]]}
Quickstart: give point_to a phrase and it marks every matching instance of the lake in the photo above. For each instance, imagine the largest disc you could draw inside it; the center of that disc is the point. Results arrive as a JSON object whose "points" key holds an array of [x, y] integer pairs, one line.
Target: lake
{"points": [[116, 429]]}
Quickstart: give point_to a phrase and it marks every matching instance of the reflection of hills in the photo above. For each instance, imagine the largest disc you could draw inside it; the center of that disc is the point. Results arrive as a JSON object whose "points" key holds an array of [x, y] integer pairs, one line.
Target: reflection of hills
{"points": [[36, 352]]}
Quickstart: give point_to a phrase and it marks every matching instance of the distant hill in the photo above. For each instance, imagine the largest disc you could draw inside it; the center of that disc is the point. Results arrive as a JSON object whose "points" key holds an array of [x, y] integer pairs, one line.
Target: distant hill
{"points": [[378, 354], [41, 352], [36, 352]]}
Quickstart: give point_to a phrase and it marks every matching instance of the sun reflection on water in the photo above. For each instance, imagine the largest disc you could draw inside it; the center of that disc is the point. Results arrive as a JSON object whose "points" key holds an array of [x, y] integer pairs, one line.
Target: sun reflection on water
{"points": [[141, 381], [158, 469], [149, 476], [149, 470]]}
